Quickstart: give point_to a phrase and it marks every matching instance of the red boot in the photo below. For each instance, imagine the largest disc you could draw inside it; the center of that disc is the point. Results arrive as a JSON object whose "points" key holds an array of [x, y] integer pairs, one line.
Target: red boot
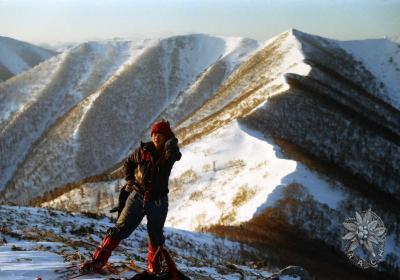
{"points": [[171, 264], [100, 255], [155, 256], [153, 259]]}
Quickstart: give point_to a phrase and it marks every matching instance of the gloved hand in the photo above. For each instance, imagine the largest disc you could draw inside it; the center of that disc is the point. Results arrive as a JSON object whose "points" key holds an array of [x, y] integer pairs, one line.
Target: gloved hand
{"points": [[172, 149], [123, 195], [171, 143]]}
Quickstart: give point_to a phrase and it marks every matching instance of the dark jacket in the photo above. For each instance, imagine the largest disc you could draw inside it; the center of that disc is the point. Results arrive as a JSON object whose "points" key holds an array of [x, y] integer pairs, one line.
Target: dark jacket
{"points": [[148, 170]]}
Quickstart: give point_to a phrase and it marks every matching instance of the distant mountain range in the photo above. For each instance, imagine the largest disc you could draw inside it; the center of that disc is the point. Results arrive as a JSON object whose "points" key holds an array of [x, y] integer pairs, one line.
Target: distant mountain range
{"points": [[298, 127], [17, 57]]}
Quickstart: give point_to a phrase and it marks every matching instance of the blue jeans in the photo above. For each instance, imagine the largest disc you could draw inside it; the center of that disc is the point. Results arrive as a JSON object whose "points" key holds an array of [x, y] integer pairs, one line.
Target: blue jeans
{"points": [[134, 212]]}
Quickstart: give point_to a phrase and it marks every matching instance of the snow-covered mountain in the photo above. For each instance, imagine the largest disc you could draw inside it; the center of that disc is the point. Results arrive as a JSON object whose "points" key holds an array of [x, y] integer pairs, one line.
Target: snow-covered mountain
{"points": [[17, 56], [395, 38], [235, 174], [84, 109], [299, 127]]}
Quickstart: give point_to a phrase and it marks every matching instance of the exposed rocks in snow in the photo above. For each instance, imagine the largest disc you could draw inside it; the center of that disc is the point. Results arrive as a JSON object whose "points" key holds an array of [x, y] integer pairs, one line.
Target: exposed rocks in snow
{"points": [[47, 241], [296, 272]]}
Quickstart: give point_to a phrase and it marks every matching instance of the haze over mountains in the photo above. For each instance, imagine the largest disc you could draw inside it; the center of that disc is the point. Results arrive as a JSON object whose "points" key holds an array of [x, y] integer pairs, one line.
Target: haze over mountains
{"points": [[17, 56], [298, 126]]}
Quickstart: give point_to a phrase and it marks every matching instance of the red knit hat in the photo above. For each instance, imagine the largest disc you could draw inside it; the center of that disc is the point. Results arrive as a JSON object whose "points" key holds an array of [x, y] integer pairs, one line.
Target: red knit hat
{"points": [[163, 128]]}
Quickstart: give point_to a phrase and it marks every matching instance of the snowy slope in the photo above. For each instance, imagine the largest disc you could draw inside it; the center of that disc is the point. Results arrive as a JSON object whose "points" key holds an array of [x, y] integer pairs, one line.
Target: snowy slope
{"points": [[382, 58], [237, 51], [251, 84], [232, 175], [29, 263], [39, 242], [310, 92], [85, 109], [394, 38], [97, 88], [236, 172], [33, 102], [17, 56], [312, 76], [324, 98]]}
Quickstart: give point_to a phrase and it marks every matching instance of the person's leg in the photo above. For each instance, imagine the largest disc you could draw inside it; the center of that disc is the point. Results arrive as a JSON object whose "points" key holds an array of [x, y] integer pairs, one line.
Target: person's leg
{"points": [[130, 218], [156, 212]]}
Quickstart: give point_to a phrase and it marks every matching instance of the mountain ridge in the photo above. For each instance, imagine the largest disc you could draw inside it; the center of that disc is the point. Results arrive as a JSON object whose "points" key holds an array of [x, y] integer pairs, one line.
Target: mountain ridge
{"points": [[121, 83], [297, 114], [17, 56]]}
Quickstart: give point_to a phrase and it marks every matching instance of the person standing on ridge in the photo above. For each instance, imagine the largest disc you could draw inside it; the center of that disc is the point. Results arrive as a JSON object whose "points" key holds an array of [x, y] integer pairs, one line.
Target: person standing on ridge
{"points": [[147, 172]]}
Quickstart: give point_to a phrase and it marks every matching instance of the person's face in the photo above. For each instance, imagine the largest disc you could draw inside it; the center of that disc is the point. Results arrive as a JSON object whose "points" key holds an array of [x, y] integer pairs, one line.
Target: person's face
{"points": [[158, 140]]}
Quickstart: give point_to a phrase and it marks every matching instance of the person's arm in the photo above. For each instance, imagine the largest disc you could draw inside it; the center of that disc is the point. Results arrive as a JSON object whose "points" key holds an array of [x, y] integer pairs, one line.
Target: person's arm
{"points": [[130, 165]]}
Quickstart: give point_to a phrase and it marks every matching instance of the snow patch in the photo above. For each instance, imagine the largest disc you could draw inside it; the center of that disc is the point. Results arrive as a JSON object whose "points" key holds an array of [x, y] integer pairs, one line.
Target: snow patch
{"points": [[382, 58], [29, 264], [236, 171]]}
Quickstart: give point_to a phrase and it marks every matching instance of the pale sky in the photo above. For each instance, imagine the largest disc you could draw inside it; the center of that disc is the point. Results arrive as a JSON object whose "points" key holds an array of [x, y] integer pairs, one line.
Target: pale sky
{"points": [[55, 21]]}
